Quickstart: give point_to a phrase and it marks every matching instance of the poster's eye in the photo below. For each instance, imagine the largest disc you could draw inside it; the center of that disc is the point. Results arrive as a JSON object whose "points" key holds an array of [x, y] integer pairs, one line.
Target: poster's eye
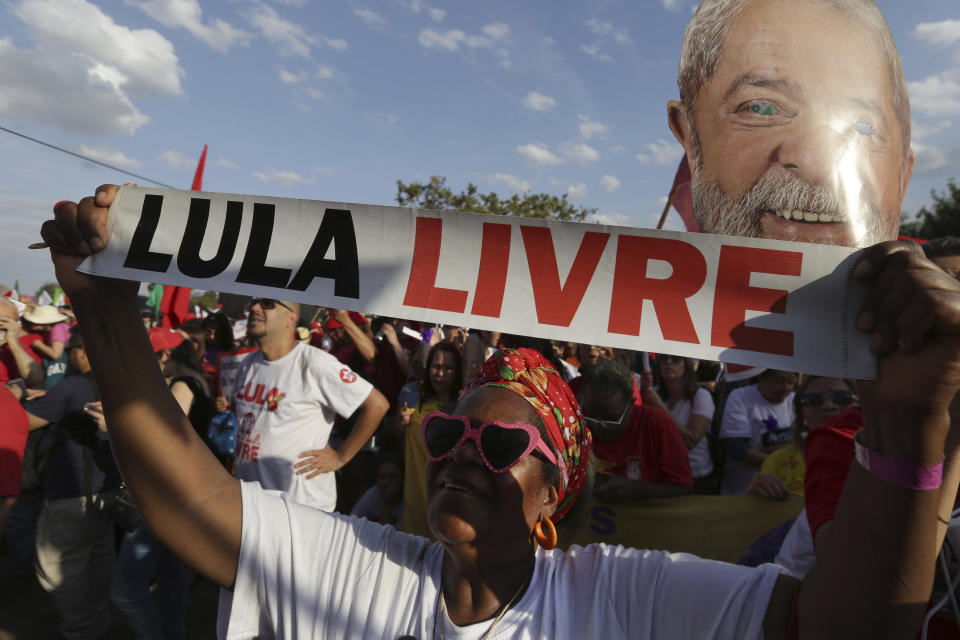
{"points": [[761, 108], [864, 128]]}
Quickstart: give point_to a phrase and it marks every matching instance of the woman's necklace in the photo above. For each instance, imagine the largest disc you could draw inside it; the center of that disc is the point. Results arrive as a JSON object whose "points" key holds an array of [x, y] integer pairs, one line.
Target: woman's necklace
{"points": [[443, 608]]}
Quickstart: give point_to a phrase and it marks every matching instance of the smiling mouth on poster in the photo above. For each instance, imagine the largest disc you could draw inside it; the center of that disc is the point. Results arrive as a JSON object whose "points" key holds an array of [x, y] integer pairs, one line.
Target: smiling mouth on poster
{"points": [[749, 301]]}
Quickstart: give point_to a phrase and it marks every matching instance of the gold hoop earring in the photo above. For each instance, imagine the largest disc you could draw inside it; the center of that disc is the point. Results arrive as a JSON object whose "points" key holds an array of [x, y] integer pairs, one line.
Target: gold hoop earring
{"points": [[548, 539]]}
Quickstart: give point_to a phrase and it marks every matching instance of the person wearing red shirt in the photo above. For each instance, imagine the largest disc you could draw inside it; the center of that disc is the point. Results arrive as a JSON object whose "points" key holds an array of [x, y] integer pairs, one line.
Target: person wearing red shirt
{"points": [[638, 449], [13, 439], [17, 359]]}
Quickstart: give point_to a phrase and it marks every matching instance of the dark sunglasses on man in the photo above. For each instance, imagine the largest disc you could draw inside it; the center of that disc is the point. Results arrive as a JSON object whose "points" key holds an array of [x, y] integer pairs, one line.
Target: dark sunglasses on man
{"points": [[842, 398], [267, 303]]}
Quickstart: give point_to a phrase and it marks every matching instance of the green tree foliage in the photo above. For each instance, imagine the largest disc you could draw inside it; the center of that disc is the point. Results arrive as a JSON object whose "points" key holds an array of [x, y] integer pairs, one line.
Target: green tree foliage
{"points": [[437, 195], [208, 300], [942, 220]]}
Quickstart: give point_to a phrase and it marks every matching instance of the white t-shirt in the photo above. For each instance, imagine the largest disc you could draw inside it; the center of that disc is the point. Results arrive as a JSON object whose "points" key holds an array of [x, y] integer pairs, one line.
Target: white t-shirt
{"points": [[304, 573], [749, 415], [701, 464], [796, 555], [285, 407]]}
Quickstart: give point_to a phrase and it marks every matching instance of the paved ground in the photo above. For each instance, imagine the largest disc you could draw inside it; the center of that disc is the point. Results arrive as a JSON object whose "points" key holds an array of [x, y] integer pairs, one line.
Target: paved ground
{"points": [[29, 615]]}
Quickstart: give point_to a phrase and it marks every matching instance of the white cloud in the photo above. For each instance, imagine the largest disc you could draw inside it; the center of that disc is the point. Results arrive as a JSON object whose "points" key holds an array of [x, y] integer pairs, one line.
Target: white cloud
{"points": [[927, 158], [537, 155], [936, 95], [324, 73], [290, 37], [437, 15], [109, 156], [292, 78], [662, 153], [610, 183], [589, 128], [176, 160], [943, 33], [370, 18], [513, 182], [580, 153], [673, 5], [615, 219], [595, 53], [285, 178], [139, 60], [316, 94], [449, 40], [101, 67], [920, 130], [187, 14], [225, 163], [618, 149], [493, 38], [496, 30], [606, 30], [337, 44], [577, 191], [538, 101]]}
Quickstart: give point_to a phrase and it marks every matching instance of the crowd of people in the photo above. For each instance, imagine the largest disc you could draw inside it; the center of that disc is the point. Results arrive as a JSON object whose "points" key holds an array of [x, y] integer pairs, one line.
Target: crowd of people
{"points": [[335, 410], [469, 458]]}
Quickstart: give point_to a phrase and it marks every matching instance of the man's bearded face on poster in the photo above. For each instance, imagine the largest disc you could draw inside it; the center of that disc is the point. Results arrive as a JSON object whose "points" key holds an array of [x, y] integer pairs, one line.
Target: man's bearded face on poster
{"points": [[795, 121]]}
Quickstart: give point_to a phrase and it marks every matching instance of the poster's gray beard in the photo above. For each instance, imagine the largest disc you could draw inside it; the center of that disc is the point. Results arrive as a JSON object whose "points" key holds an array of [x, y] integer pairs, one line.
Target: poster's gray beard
{"points": [[774, 191]]}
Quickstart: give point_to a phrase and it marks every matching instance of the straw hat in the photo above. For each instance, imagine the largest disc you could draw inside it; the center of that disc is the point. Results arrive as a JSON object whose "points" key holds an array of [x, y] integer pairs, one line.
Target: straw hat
{"points": [[44, 314]]}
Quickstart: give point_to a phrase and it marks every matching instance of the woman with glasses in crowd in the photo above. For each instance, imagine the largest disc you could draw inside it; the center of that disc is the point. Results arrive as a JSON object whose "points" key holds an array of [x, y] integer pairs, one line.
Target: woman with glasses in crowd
{"points": [[442, 382], [508, 473], [691, 408], [818, 398]]}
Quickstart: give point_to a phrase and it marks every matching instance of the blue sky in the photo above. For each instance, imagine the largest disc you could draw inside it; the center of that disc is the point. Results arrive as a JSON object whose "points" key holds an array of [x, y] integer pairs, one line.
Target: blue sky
{"points": [[337, 101]]}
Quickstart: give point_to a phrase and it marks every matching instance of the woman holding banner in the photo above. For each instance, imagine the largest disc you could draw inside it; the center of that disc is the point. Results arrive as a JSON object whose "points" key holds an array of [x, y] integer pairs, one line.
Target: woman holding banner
{"points": [[508, 464]]}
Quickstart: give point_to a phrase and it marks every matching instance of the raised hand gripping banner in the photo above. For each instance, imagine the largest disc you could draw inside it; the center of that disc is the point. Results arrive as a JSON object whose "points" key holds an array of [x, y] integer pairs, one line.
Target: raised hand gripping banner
{"points": [[756, 302]]}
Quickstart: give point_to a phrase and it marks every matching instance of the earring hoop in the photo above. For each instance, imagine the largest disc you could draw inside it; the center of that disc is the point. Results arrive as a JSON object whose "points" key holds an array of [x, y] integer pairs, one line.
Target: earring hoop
{"points": [[548, 539]]}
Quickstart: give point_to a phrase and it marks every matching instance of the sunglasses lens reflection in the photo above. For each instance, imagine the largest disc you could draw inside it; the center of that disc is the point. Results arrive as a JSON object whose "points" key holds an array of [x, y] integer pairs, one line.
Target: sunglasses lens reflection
{"points": [[502, 447], [441, 435]]}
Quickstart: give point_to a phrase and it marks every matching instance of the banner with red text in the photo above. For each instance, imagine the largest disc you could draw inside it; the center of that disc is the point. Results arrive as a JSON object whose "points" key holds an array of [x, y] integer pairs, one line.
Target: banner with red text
{"points": [[755, 302]]}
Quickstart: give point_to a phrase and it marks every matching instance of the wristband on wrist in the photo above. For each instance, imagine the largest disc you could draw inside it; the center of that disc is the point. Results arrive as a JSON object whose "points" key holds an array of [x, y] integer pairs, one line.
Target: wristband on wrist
{"points": [[898, 471]]}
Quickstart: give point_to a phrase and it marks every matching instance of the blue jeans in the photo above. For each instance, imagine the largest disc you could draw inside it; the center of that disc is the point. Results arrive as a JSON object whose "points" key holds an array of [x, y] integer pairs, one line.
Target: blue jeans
{"points": [[143, 557]]}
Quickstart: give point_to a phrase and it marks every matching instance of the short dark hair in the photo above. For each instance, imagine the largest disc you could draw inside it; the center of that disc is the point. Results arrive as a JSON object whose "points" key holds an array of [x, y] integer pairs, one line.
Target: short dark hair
{"points": [[607, 378], [76, 338], [944, 247]]}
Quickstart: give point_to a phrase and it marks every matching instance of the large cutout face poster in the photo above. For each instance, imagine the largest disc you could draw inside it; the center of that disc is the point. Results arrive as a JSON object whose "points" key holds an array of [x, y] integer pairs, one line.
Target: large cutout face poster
{"points": [[795, 121]]}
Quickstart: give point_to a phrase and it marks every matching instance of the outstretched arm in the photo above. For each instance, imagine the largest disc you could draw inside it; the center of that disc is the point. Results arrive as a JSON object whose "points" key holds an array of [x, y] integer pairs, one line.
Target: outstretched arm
{"points": [[189, 501], [875, 570]]}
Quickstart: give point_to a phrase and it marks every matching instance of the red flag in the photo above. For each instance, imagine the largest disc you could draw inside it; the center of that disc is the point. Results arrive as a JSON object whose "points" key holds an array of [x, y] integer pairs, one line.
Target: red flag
{"points": [[681, 198], [175, 305], [198, 176]]}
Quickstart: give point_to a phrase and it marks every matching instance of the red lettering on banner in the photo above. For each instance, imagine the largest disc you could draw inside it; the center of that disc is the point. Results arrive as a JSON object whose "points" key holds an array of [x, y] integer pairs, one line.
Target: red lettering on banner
{"points": [[492, 276], [734, 296], [421, 286], [631, 286], [558, 304]]}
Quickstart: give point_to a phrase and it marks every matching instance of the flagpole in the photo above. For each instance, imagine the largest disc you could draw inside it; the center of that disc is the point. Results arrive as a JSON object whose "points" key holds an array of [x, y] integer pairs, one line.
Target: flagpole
{"points": [[666, 208]]}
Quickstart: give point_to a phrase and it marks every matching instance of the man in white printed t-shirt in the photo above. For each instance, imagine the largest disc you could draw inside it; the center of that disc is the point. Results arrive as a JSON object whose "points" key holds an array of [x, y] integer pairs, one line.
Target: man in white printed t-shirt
{"points": [[286, 396], [756, 422]]}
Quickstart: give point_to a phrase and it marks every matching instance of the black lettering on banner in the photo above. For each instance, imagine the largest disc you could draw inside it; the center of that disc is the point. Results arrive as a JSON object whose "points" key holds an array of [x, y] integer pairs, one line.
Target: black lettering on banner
{"points": [[254, 269], [336, 227], [139, 255], [188, 258]]}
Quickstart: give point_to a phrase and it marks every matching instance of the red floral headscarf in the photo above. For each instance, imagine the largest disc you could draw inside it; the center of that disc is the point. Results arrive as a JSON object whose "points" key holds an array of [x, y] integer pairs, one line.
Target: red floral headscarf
{"points": [[531, 376]]}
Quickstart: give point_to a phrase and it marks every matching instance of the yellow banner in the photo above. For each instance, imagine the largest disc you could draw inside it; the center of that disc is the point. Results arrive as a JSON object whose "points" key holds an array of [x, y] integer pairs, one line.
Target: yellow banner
{"points": [[717, 527]]}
